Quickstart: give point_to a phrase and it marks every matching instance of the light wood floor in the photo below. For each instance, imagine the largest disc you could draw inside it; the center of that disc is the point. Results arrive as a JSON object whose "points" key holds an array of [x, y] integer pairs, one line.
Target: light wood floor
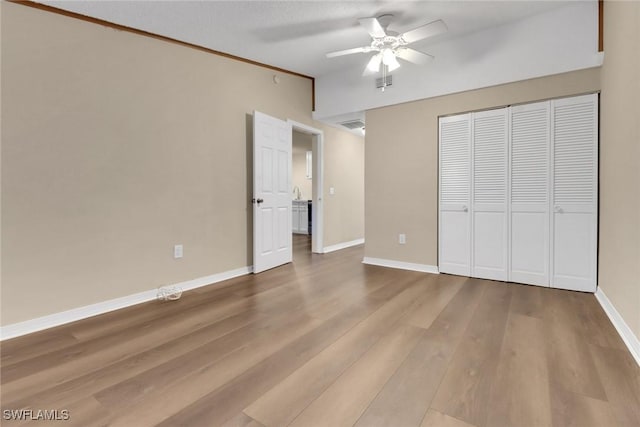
{"points": [[328, 341]]}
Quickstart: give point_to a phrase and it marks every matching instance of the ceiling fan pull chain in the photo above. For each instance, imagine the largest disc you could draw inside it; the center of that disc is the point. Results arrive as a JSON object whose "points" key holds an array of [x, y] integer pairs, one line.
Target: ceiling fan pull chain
{"points": [[384, 77]]}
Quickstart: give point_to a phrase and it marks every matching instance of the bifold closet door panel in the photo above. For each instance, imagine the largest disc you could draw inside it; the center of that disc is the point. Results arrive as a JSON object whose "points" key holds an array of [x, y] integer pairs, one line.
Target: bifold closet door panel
{"points": [[575, 193], [489, 253], [530, 171], [454, 238]]}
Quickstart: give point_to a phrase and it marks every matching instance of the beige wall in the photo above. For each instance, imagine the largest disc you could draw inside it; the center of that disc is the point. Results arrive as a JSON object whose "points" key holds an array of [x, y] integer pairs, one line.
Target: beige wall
{"points": [[619, 252], [344, 171], [115, 147], [401, 193], [301, 144]]}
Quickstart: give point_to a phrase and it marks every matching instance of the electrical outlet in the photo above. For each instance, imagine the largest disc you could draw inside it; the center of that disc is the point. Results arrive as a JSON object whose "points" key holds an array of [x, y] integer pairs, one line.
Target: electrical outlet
{"points": [[402, 239], [332, 191], [177, 251]]}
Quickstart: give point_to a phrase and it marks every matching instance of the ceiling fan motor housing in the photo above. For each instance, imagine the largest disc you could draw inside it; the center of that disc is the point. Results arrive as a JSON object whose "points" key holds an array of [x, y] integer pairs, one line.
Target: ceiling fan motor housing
{"points": [[385, 20], [391, 42]]}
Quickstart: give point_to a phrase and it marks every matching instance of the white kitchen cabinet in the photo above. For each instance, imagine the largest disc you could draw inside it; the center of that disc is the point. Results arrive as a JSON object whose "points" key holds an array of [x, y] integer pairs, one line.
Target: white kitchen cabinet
{"points": [[300, 216], [295, 217]]}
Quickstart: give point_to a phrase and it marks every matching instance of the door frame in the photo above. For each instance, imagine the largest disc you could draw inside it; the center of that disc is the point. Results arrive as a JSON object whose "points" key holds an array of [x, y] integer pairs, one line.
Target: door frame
{"points": [[317, 205]]}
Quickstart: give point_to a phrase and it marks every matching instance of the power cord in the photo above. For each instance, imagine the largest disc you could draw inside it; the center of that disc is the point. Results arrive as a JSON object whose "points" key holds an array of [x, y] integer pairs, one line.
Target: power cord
{"points": [[170, 293]]}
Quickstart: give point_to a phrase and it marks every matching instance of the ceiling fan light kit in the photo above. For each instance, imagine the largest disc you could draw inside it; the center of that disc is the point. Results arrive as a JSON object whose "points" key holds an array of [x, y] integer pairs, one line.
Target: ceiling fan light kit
{"points": [[389, 45], [389, 59], [374, 63]]}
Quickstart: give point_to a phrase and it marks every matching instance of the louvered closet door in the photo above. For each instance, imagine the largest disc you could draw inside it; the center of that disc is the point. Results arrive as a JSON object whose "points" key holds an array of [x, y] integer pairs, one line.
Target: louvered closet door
{"points": [[529, 234], [489, 207], [455, 188], [575, 193]]}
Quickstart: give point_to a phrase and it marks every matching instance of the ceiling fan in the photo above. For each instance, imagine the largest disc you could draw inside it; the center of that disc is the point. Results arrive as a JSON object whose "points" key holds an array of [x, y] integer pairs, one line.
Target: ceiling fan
{"points": [[389, 45]]}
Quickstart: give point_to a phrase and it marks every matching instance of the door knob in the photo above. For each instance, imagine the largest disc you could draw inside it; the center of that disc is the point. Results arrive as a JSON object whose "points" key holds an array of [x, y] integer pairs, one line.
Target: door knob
{"points": [[257, 201], [465, 208], [558, 209]]}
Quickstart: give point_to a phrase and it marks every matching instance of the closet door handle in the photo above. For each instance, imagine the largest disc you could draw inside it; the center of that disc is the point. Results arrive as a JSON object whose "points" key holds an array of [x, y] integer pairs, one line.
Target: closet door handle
{"points": [[558, 209], [465, 208]]}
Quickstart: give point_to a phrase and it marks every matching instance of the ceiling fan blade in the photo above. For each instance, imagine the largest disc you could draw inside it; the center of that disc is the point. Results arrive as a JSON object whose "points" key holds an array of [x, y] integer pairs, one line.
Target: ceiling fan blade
{"points": [[413, 55], [373, 27], [428, 30], [364, 49]]}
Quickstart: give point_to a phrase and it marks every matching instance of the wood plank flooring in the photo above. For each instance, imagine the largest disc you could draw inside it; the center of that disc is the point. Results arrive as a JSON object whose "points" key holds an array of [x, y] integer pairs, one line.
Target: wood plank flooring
{"points": [[328, 341]]}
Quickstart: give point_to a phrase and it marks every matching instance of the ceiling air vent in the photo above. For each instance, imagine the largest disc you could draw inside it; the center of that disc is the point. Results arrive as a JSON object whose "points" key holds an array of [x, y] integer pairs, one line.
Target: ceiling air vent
{"points": [[353, 124], [380, 81]]}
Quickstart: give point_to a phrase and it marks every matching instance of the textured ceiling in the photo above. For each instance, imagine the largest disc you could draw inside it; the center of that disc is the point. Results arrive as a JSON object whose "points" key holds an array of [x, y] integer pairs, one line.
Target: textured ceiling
{"points": [[296, 35]]}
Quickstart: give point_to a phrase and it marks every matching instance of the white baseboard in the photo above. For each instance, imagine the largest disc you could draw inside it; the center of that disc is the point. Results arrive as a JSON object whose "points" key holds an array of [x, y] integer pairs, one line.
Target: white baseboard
{"points": [[342, 245], [214, 278], [57, 319], [627, 335], [425, 268]]}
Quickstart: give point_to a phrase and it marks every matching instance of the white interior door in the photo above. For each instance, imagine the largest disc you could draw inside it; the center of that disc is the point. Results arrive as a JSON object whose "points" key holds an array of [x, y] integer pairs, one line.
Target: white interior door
{"points": [[529, 193], [575, 193], [454, 237], [271, 192], [489, 253]]}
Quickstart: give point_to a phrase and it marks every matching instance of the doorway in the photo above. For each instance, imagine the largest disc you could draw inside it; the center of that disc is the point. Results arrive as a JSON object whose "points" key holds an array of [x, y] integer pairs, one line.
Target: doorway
{"points": [[302, 194], [307, 185]]}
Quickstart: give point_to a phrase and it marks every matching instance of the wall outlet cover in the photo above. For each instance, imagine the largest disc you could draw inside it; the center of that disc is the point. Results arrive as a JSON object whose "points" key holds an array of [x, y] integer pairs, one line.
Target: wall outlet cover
{"points": [[177, 251]]}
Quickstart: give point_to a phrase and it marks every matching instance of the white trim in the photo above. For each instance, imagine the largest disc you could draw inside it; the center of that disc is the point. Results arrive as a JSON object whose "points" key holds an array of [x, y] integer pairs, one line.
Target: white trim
{"points": [[425, 268], [627, 335], [57, 319], [342, 245], [214, 278]]}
